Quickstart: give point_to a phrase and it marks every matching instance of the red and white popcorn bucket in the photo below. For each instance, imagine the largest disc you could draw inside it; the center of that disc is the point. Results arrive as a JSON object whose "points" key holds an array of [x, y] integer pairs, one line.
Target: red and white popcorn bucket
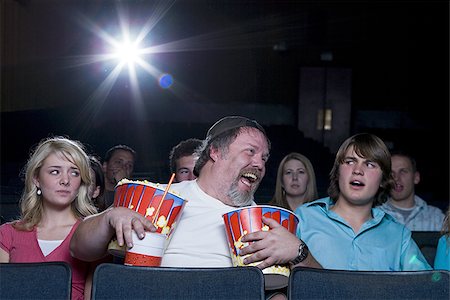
{"points": [[248, 219], [146, 198], [146, 252]]}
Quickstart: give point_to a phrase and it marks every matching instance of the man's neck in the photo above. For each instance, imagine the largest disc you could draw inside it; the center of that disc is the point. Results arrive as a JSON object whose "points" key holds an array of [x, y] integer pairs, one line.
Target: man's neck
{"points": [[355, 215], [109, 186], [404, 203]]}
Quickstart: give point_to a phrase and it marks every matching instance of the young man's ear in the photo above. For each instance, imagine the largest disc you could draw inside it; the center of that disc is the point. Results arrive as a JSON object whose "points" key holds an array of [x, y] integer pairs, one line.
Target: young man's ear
{"points": [[416, 177]]}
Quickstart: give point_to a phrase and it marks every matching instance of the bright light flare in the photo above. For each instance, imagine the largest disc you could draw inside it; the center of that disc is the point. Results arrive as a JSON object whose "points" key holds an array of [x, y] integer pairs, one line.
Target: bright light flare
{"points": [[127, 53]]}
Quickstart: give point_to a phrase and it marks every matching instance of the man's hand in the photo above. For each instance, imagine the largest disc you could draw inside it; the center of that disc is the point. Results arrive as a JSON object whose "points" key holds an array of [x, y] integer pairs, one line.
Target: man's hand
{"points": [[124, 220], [274, 247]]}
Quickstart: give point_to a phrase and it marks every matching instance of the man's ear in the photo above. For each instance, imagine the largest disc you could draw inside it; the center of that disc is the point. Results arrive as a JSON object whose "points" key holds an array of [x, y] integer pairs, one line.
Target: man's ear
{"points": [[214, 153], [104, 166], [416, 177]]}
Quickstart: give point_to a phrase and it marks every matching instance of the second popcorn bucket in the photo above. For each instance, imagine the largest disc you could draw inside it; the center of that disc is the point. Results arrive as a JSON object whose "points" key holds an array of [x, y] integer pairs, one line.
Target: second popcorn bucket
{"points": [[162, 208], [248, 219]]}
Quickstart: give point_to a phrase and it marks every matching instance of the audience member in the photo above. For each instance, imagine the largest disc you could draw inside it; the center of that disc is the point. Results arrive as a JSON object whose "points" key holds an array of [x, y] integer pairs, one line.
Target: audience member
{"points": [[54, 201], [404, 205], [230, 167], [296, 182], [97, 186], [345, 231], [442, 258], [182, 159], [118, 164]]}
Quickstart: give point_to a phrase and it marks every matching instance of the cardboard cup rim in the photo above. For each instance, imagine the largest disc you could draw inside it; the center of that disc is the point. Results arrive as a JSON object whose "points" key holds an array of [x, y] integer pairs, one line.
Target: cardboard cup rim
{"points": [[261, 206]]}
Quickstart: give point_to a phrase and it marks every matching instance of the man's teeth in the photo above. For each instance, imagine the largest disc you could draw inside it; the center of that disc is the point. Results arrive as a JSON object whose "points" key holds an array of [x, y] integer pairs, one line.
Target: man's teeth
{"points": [[250, 176]]}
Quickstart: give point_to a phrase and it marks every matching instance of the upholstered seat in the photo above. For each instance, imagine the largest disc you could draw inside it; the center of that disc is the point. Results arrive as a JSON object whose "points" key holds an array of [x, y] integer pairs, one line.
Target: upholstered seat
{"points": [[49, 280], [309, 283], [113, 281]]}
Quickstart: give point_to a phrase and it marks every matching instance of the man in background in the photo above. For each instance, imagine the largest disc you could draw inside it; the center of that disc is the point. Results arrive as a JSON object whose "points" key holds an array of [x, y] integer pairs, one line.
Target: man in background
{"points": [[118, 164], [182, 159], [403, 204]]}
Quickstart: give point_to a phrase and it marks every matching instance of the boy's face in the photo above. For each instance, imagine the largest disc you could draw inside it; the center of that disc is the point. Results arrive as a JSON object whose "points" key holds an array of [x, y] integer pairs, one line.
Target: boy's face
{"points": [[185, 168], [359, 179]]}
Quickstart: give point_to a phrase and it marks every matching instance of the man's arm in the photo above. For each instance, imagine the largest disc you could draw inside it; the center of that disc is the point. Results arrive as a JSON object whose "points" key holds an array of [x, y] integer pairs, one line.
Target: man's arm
{"points": [[91, 238]]}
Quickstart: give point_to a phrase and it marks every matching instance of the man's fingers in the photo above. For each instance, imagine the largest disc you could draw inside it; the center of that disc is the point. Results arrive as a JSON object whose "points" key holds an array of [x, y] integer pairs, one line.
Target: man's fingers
{"points": [[270, 222]]}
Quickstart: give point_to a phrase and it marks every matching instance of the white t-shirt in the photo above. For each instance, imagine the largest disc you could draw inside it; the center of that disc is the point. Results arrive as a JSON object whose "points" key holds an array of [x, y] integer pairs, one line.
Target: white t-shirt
{"points": [[199, 239]]}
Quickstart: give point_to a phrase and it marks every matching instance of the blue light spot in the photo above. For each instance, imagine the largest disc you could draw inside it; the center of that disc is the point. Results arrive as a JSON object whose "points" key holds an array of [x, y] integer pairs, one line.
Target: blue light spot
{"points": [[436, 277], [165, 81]]}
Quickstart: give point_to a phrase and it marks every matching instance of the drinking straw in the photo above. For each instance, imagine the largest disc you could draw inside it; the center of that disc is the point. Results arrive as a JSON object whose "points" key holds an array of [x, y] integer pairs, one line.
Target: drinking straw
{"points": [[162, 199]]}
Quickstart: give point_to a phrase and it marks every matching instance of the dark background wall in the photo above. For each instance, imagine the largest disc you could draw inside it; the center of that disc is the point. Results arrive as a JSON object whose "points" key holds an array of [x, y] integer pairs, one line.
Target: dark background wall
{"points": [[226, 57]]}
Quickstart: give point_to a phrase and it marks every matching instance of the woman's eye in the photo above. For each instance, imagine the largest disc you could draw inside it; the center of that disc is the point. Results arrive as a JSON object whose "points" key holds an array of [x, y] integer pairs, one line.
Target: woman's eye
{"points": [[75, 173], [54, 172]]}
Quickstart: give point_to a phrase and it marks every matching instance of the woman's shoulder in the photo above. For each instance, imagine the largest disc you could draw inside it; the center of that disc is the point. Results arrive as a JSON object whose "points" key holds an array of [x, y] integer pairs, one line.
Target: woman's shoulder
{"points": [[14, 226]]}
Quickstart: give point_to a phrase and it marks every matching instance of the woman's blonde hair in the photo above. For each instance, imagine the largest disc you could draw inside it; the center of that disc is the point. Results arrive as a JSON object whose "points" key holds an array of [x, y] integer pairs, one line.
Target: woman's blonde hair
{"points": [[279, 197], [31, 203]]}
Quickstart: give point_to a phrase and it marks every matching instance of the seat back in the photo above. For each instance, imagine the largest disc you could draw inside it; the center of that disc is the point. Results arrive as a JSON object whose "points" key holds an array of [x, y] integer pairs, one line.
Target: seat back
{"points": [[130, 282], [427, 242], [309, 283], [46, 280]]}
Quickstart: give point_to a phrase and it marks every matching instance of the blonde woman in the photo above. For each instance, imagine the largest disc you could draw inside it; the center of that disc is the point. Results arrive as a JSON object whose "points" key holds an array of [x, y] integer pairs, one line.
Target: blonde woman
{"points": [[442, 258], [54, 201], [296, 182]]}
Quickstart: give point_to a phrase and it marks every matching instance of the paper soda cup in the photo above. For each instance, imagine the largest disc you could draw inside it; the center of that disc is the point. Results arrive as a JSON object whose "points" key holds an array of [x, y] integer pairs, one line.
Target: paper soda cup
{"points": [[147, 252], [248, 219], [145, 198]]}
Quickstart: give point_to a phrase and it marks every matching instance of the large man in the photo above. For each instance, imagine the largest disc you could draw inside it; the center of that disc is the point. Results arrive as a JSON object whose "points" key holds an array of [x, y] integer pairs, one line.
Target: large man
{"points": [[230, 167], [404, 205]]}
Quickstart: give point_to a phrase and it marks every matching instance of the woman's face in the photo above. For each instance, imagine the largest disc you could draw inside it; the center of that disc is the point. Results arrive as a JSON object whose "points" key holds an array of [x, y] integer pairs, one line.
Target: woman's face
{"points": [[295, 178], [59, 180]]}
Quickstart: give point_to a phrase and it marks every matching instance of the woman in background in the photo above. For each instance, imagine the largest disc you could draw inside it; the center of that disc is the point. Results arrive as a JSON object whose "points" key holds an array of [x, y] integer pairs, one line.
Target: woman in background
{"points": [[296, 182], [442, 258], [97, 186], [54, 201]]}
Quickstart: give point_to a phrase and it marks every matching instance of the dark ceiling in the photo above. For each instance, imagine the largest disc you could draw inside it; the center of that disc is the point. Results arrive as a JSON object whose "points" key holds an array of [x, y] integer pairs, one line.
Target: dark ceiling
{"points": [[226, 51]]}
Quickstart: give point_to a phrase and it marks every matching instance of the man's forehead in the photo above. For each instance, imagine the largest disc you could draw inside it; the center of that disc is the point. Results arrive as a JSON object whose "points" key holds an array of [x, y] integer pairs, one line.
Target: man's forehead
{"points": [[351, 152], [122, 154], [252, 136], [401, 160]]}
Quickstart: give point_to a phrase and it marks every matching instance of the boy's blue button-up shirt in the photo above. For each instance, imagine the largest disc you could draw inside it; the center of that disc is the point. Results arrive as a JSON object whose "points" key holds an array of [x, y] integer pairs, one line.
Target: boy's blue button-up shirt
{"points": [[382, 244]]}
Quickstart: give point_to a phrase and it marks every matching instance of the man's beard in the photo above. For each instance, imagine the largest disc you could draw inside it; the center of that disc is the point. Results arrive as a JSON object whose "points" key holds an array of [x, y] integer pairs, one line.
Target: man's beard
{"points": [[239, 198]]}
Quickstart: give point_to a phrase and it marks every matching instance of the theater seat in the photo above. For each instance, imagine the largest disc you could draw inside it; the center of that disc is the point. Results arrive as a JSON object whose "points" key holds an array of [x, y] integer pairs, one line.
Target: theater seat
{"points": [[427, 242], [113, 281], [309, 283], [49, 280]]}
